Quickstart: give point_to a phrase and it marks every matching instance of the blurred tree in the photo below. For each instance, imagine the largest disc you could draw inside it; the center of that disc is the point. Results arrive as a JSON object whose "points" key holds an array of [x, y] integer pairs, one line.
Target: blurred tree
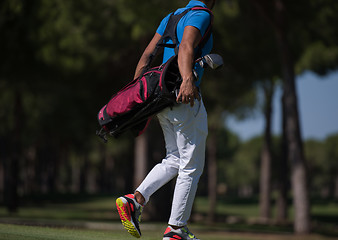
{"points": [[61, 60], [283, 173], [228, 146], [299, 173], [331, 146], [226, 91], [12, 28], [318, 167], [141, 158], [251, 63], [51, 52], [323, 166], [211, 160], [242, 171], [266, 154], [240, 15], [265, 48], [315, 33]]}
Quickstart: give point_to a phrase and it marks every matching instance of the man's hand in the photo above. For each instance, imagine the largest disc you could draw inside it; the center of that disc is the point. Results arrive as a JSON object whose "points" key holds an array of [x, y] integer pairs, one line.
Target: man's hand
{"points": [[188, 92]]}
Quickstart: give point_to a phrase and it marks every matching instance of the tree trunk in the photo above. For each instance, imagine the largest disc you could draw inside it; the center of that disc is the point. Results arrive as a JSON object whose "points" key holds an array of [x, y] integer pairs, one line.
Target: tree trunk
{"points": [[295, 145], [295, 148], [266, 157], [283, 173], [2, 178], [12, 163], [212, 176], [335, 193], [84, 168], [140, 159]]}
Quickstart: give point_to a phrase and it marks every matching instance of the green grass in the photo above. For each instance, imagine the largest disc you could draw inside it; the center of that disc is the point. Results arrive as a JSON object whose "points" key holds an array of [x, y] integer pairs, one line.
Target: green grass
{"points": [[245, 210], [14, 232], [19, 232], [93, 209], [95, 217]]}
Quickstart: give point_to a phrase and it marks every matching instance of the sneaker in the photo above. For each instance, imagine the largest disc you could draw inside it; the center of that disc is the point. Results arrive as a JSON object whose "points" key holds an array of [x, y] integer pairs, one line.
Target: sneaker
{"points": [[178, 234], [130, 214]]}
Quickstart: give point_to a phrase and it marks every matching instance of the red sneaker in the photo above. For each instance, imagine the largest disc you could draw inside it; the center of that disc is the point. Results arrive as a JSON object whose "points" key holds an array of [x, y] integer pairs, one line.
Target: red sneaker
{"points": [[178, 234], [130, 214]]}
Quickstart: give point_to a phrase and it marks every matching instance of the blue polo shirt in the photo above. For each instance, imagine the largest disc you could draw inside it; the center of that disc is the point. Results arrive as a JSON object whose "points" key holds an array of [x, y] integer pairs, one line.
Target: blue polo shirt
{"points": [[199, 19]]}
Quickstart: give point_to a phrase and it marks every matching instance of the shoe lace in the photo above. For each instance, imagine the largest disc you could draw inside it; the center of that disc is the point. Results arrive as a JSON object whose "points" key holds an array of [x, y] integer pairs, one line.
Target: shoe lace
{"points": [[138, 213]]}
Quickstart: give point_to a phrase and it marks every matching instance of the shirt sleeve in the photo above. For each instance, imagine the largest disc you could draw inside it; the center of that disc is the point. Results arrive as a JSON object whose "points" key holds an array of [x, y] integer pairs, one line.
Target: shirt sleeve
{"points": [[199, 19]]}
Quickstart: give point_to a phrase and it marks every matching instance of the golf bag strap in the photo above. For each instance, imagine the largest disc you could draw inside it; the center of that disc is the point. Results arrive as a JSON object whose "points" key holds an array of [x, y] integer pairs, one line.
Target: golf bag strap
{"points": [[207, 33], [170, 32]]}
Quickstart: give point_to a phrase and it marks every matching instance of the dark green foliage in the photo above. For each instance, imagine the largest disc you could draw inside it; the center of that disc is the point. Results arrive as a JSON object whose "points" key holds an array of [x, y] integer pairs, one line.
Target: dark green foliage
{"points": [[62, 60]]}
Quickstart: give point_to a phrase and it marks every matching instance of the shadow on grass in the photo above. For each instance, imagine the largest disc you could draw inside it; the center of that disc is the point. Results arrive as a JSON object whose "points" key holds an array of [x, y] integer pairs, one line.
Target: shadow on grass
{"points": [[325, 225], [321, 218]]}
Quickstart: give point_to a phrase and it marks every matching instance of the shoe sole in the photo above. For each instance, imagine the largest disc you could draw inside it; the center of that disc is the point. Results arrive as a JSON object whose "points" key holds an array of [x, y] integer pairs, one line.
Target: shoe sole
{"points": [[124, 211], [172, 238]]}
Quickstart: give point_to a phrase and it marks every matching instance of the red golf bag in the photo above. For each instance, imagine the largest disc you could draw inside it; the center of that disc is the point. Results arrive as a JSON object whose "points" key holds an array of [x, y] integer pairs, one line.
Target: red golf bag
{"points": [[132, 107]]}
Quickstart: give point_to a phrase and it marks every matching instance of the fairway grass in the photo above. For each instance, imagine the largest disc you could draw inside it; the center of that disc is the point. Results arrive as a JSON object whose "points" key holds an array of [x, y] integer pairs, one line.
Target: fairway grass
{"points": [[96, 218], [19, 232]]}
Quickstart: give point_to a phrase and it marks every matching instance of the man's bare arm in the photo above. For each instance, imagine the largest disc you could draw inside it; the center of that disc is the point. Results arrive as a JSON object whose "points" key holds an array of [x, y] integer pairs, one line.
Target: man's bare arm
{"points": [[188, 91], [146, 54]]}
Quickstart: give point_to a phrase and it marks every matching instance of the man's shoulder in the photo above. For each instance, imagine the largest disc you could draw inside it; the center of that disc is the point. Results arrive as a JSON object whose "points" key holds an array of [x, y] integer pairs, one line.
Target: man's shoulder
{"points": [[195, 9], [198, 16], [200, 12]]}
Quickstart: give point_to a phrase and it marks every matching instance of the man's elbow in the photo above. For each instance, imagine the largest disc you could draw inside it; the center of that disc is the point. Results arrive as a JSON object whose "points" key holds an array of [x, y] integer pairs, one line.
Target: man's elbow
{"points": [[186, 48]]}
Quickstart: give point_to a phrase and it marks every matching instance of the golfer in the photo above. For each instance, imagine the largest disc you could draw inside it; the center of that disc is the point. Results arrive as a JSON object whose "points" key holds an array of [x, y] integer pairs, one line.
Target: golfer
{"points": [[184, 127]]}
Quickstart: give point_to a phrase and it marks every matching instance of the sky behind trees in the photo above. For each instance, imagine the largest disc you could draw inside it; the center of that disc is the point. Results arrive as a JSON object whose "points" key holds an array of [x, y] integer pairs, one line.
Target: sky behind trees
{"points": [[318, 105]]}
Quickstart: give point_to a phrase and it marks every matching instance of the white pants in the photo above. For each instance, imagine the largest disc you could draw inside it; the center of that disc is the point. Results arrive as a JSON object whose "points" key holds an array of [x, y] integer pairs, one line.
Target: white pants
{"points": [[185, 130]]}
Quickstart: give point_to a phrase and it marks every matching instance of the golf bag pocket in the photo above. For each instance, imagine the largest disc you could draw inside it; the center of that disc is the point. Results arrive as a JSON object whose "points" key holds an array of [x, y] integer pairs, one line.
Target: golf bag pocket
{"points": [[133, 94]]}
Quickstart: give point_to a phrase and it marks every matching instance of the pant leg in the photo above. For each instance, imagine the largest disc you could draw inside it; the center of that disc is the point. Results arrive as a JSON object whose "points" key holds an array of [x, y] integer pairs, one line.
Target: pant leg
{"points": [[190, 125], [185, 131], [165, 171]]}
